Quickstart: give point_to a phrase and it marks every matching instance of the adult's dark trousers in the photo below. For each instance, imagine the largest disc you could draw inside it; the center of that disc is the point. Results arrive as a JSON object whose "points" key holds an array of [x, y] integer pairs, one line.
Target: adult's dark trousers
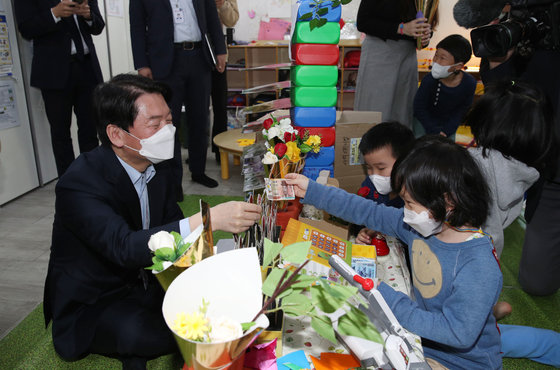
{"points": [[133, 326], [539, 269], [219, 104], [58, 107], [190, 82]]}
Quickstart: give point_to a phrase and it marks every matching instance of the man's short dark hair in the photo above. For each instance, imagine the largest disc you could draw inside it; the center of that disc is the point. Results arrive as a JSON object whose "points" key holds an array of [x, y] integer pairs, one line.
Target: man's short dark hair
{"points": [[114, 102], [399, 137], [437, 171], [458, 46]]}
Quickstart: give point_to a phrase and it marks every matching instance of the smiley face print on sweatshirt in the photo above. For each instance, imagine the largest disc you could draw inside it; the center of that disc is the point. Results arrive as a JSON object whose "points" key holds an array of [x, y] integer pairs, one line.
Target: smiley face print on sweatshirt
{"points": [[426, 269]]}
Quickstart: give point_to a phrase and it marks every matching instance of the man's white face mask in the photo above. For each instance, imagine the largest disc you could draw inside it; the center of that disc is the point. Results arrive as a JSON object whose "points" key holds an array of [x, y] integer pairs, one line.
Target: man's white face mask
{"points": [[158, 147]]}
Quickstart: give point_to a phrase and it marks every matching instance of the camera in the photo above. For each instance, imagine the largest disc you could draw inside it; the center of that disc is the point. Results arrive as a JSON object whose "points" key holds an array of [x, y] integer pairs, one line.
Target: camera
{"points": [[531, 24]]}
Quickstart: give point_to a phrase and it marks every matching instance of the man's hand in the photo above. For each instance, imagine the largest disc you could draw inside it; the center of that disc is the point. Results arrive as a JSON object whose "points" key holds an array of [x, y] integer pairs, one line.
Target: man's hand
{"points": [[146, 72], [365, 236], [219, 3], [221, 62], [63, 9], [299, 182], [83, 10], [234, 217]]}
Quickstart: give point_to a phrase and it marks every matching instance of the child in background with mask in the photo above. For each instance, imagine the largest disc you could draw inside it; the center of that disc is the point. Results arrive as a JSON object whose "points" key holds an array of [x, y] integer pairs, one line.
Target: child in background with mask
{"points": [[446, 93], [456, 276], [381, 146]]}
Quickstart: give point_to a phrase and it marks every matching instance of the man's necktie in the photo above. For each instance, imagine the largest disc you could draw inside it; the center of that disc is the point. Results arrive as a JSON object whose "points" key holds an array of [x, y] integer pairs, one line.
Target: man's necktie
{"points": [[76, 37]]}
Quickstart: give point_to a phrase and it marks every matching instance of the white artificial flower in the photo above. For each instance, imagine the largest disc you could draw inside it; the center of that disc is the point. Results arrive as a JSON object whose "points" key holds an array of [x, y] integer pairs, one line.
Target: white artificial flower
{"points": [[274, 132], [224, 329], [264, 132], [166, 264], [269, 158], [285, 122], [267, 145], [161, 239]]}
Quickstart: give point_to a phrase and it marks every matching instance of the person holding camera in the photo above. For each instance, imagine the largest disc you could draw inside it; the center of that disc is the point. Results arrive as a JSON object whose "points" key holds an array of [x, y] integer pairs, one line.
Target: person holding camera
{"points": [[65, 67]]}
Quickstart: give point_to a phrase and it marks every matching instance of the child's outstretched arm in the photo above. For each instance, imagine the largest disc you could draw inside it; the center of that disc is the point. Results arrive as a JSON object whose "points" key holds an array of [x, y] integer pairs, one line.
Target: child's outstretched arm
{"points": [[349, 207]]}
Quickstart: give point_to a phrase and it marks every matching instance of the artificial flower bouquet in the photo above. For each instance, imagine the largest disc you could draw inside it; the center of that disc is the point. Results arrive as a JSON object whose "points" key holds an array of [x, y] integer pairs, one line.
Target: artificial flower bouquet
{"points": [[286, 146]]}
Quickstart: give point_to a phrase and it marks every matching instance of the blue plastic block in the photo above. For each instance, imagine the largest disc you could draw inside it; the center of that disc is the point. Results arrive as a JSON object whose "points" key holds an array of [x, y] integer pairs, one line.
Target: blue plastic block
{"points": [[332, 16], [314, 116], [313, 172], [325, 157]]}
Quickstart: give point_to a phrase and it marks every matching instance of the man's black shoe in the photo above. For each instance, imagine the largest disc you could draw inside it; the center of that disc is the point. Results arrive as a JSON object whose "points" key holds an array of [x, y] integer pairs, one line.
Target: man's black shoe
{"points": [[205, 180]]}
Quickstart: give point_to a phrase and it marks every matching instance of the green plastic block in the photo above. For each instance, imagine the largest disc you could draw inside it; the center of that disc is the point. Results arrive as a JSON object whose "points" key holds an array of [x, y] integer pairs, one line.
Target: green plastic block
{"points": [[314, 75], [313, 96], [329, 33]]}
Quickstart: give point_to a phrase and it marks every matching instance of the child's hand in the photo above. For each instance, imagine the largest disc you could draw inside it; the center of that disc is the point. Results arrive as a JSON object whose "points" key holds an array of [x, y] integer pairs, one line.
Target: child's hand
{"points": [[364, 236], [299, 182]]}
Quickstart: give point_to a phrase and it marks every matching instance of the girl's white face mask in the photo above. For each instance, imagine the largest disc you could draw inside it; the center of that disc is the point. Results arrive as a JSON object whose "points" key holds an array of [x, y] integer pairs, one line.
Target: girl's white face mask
{"points": [[158, 147], [439, 71], [382, 183], [422, 222]]}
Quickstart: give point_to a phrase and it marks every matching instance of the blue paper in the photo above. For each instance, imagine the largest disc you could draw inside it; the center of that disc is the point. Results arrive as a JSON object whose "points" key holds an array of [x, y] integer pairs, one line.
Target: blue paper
{"points": [[295, 358]]}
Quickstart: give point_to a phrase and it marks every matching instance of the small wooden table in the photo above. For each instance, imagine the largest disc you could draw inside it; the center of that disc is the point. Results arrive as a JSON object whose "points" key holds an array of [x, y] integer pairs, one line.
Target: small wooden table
{"points": [[227, 143]]}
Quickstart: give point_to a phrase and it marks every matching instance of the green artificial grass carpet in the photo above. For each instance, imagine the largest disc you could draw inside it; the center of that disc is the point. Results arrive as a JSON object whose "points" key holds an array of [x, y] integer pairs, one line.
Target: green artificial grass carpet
{"points": [[29, 345]]}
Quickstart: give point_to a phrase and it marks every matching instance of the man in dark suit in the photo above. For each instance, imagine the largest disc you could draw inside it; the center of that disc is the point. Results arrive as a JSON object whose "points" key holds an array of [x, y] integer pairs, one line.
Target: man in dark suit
{"points": [[108, 204], [174, 41], [64, 67]]}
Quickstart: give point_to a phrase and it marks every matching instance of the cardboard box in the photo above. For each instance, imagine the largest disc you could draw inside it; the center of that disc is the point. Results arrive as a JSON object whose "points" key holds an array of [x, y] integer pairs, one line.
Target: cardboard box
{"points": [[348, 163]]}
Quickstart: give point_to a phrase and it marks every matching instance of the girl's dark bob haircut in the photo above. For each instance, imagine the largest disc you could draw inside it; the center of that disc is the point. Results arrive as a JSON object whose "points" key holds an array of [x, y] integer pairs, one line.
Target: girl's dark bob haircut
{"points": [[438, 174], [516, 119]]}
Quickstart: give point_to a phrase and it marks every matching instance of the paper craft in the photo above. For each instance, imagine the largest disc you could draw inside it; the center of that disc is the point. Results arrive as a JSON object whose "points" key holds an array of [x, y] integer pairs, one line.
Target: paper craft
{"points": [[334, 361], [364, 260], [275, 29], [279, 189], [296, 358]]}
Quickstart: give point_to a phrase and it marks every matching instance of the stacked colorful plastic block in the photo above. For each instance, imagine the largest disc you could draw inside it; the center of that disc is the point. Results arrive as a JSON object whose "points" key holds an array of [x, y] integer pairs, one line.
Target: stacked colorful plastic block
{"points": [[314, 75]]}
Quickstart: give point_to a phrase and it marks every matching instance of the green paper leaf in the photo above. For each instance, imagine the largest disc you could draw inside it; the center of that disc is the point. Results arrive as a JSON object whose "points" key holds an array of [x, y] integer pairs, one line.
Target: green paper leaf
{"points": [[247, 325], [323, 11], [157, 264], [335, 4], [322, 22], [296, 304], [272, 281], [296, 253], [166, 254], [306, 16], [313, 23], [271, 251], [287, 292], [305, 148], [344, 2], [338, 291], [304, 281], [323, 301], [323, 326], [357, 324]]}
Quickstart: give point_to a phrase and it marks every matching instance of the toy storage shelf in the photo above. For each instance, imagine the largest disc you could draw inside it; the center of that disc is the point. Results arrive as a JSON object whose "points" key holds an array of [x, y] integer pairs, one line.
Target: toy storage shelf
{"points": [[244, 57]]}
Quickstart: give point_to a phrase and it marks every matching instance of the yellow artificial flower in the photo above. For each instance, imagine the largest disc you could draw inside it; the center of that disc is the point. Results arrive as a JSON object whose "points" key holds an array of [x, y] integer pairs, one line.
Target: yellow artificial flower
{"points": [[192, 326], [293, 151], [313, 140]]}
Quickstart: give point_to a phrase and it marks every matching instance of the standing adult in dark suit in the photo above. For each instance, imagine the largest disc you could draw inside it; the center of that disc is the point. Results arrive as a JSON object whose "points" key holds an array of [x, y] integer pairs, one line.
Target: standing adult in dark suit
{"points": [[108, 204], [170, 43], [64, 67]]}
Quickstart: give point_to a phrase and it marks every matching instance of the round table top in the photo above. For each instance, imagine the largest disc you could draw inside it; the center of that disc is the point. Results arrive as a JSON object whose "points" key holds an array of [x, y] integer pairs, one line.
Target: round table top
{"points": [[227, 140]]}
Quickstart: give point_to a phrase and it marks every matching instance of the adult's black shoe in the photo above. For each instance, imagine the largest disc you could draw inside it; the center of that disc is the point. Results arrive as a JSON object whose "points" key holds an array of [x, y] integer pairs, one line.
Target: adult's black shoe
{"points": [[133, 363], [205, 180]]}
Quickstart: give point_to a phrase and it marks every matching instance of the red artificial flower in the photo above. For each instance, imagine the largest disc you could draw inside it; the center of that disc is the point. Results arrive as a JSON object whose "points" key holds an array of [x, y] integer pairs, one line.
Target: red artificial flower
{"points": [[363, 191], [280, 149], [288, 136], [267, 124]]}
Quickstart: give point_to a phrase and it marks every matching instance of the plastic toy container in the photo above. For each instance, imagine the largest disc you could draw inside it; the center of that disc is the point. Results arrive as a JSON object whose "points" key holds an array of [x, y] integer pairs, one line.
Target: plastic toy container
{"points": [[310, 75], [313, 96], [327, 134], [325, 157], [313, 116], [329, 33], [333, 15], [315, 54]]}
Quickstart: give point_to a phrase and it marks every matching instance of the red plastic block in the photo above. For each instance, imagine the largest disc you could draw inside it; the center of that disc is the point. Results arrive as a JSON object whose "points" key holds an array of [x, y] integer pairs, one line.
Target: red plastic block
{"points": [[315, 54], [327, 134]]}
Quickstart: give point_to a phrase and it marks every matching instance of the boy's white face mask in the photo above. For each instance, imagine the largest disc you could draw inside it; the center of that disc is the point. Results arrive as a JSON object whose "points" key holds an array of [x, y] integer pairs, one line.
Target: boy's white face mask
{"points": [[158, 147], [439, 71], [382, 183], [422, 222]]}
